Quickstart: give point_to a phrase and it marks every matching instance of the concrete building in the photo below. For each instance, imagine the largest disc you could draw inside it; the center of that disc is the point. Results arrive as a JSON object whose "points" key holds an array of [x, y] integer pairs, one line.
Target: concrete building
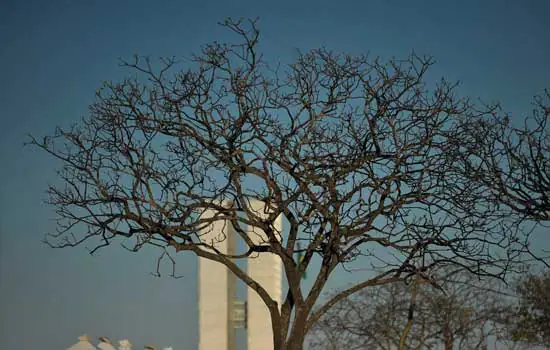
{"points": [[219, 311], [216, 287], [264, 268]]}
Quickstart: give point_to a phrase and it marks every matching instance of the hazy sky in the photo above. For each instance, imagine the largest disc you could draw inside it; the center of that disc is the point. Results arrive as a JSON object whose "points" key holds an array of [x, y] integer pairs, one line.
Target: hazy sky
{"points": [[54, 54]]}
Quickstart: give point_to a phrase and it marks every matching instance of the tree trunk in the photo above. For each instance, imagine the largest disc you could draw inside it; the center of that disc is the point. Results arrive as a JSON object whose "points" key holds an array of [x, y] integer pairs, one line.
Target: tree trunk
{"points": [[295, 340], [294, 343], [448, 338], [276, 326], [410, 317]]}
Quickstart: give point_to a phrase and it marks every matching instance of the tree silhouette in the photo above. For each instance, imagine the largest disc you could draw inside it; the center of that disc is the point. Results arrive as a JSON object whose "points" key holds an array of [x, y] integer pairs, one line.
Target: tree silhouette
{"points": [[418, 316], [514, 162], [359, 155]]}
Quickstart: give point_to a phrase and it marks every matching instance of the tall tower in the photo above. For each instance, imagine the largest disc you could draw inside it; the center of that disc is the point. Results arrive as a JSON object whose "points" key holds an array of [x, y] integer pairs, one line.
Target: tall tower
{"points": [[216, 288], [217, 284], [264, 268]]}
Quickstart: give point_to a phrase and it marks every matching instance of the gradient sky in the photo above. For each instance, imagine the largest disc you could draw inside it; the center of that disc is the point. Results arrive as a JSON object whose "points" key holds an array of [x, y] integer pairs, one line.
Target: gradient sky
{"points": [[55, 53]]}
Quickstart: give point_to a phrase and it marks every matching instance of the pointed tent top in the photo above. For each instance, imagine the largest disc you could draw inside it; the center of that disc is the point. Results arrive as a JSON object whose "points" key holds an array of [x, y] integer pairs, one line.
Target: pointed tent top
{"points": [[168, 348], [125, 343], [83, 344]]}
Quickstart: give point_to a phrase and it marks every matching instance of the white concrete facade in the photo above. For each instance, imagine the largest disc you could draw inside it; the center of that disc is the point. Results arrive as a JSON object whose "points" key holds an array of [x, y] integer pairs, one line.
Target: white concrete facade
{"points": [[217, 288], [264, 268]]}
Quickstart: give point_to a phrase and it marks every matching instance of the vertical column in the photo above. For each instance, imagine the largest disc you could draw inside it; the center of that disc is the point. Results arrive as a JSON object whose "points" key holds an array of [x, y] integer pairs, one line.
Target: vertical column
{"points": [[216, 289], [264, 268]]}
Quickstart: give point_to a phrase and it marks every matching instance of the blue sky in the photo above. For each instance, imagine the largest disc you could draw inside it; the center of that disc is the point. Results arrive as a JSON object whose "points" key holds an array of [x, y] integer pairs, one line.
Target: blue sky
{"points": [[55, 53]]}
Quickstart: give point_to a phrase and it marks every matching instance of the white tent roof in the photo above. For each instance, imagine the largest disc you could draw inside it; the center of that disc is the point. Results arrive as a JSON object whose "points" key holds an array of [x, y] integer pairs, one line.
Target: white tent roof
{"points": [[83, 344], [105, 344], [124, 345]]}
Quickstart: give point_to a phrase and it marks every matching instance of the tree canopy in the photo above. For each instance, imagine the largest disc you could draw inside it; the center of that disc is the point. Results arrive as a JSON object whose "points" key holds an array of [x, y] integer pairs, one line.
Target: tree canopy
{"points": [[469, 314], [362, 157]]}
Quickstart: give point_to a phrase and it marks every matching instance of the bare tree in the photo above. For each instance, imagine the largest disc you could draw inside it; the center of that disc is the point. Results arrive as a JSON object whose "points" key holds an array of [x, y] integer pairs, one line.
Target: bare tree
{"points": [[514, 162], [357, 154], [463, 317], [374, 318]]}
